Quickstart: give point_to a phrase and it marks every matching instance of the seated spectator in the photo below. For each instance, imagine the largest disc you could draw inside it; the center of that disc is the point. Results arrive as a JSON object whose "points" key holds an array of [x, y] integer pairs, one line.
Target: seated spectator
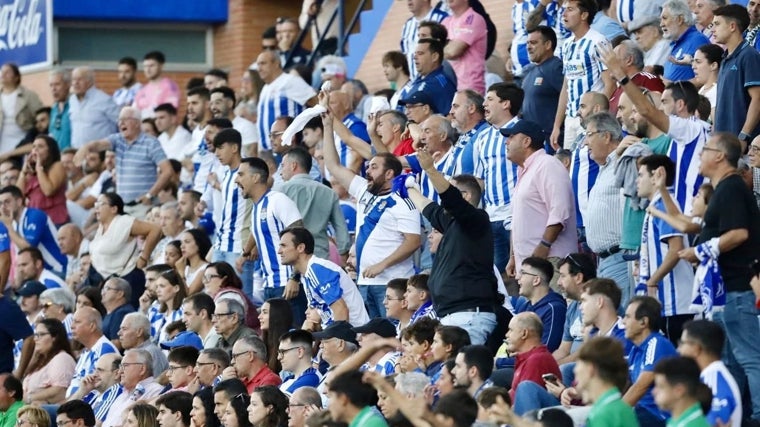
{"points": [[703, 341], [86, 329], [72, 244], [141, 414], [225, 391], [182, 360], [9, 172], [338, 343], [419, 357], [296, 348], [472, 368], [44, 180], [170, 292], [174, 409], [195, 247], [37, 230], [351, 400], [59, 304], [90, 297], [574, 270], [197, 310], [537, 297], [116, 296], [228, 320], [52, 366], [208, 367], [642, 324], [235, 414], [101, 388], [677, 390], [14, 400], [395, 304], [221, 281], [173, 329], [276, 318], [138, 382], [299, 401], [75, 412], [677, 23], [134, 333], [202, 413], [31, 267], [382, 360], [448, 341], [33, 415], [249, 364], [171, 253], [396, 71], [172, 227], [417, 297]]}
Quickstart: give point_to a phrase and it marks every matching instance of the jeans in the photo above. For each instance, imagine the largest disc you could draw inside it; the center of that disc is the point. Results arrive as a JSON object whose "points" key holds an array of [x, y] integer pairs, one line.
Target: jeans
{"points": [[615, 267], [568, 373], [500, 245], [530, 396], [741, 352], [297, 304], [425, 261], [246, 276], [647, 418], [373, 296], [478, 324]]}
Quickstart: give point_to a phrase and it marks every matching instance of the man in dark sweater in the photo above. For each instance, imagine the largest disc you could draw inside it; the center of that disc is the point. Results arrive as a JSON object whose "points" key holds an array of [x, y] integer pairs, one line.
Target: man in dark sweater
{"points": [[462, 281]]}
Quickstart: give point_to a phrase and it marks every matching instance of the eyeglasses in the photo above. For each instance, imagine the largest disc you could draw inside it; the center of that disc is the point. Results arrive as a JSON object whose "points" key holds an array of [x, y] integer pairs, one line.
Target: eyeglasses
{"points": [[275, 134], [125, 364], [754, 148], [411, 106], [48, 304], [108, 288], [265, 47], [527, 273], [20, 422], [282, 352], [589, 134], [199, 364], [706, 148], [40, 334], [174, 368], [208, 277], [569, 259], [62, 423], [218, 315], [392, 299], [236, 355]]}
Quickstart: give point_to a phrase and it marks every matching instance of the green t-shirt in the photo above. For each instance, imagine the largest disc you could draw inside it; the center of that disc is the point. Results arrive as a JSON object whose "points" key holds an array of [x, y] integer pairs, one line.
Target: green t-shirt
{"points": [[368, 418], [633, 220], [8, 418], [692, 417], [610, 411]]}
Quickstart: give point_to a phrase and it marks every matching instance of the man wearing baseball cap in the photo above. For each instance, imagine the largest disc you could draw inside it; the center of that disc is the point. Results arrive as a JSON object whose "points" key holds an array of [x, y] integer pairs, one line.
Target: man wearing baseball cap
{"points": [[337, 344], [418, 106], [382, 360]]}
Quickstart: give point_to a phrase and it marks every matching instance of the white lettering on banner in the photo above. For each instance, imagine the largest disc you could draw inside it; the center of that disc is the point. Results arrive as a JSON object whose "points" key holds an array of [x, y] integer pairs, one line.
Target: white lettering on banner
{"points": [[19, 25]]}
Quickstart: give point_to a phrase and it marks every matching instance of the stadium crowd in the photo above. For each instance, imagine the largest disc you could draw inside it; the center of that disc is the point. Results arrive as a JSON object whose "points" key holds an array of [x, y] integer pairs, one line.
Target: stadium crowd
{"points": [[567, 237]]}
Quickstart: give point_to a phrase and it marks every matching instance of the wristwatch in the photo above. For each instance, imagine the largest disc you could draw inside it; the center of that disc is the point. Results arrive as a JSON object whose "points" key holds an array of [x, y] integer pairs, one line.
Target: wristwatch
{"points": [[744, 137]]}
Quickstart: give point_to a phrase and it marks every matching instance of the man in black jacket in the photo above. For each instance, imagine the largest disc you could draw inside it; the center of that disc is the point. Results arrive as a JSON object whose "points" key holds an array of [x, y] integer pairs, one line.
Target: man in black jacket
{"points": [[462, 281]]}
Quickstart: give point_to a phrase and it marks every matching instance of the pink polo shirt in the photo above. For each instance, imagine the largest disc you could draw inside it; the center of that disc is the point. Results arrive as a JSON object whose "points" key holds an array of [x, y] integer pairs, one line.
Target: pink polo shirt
{"points": [[154, 94], [470, 67], [543, 196]]}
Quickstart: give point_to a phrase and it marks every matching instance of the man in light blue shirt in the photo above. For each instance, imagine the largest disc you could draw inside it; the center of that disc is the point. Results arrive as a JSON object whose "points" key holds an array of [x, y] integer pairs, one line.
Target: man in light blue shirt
{"points": [[92, 112]]}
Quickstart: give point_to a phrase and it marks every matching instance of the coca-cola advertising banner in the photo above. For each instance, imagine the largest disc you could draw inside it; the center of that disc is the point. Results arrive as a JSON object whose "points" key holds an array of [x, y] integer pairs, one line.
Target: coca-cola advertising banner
{"points": [[26, 30]]}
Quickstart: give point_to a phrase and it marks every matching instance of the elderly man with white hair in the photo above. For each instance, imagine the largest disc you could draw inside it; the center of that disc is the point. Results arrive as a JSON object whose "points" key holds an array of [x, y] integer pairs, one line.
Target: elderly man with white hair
{"points": [[92, 112], [678, 26], [59, 304], [142, 168], [138, 383]]}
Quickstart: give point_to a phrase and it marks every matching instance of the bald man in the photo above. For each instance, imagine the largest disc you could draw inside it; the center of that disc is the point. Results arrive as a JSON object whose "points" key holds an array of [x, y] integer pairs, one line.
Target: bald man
{"points": [[93, 113], [532, 359], [283, 94], [70, 241], [87, 328]]}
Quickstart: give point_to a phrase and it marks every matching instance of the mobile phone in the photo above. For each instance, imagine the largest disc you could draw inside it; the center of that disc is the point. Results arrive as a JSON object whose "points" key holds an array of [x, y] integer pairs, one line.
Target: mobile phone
{"points": [[551, 378], [755, 266]]}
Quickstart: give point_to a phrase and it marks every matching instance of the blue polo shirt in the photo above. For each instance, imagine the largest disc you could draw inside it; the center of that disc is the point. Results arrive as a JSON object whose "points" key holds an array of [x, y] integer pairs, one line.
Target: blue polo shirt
{"points": [[643, 358], [740, 70], [440, 89], [687, 44]]}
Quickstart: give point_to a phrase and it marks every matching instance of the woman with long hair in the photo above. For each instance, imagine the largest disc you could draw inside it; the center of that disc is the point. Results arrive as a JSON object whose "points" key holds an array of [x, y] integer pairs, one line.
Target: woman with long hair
{"points": [[445, 382], [220, 280], [141, 415], [52, 366], [32, 415], [43, 180], [447, 342], [172, 253], [706, 64], [194, 245], [268, 407], [170, 292], [235, 414], [114, 249], [90, 296], [202, 413], [276, 318]]}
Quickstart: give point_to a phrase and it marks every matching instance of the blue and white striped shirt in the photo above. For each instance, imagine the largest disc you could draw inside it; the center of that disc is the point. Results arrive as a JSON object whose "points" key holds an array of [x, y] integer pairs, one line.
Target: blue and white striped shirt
{"points": [[464, 150], [519, 49], [359, 129], [86, 363], [582, 68], [273, 213], [689, 136], [232, 230], [285, 96], [498, 173], [445, 165], [101, 404], [409, 34], [583, 173], [324, 284], [136, 164], [159, 321], [553, 17], [727, 400]]}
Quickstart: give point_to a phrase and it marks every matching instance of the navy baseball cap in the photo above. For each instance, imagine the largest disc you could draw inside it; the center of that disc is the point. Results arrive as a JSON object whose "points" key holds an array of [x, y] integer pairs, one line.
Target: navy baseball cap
{"points": [[378, 325], [31, 288], [340, 329], [418, 97], [525, 127]]}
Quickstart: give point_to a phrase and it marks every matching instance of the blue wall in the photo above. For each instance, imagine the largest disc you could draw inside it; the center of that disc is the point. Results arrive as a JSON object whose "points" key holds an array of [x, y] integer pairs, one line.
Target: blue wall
{"points": [[206, 11]]}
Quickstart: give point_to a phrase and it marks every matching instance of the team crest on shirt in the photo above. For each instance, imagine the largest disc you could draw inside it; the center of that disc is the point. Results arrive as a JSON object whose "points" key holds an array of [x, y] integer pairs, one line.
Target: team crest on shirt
{"points": [[264, 215], [382, 205], [538, 82]]}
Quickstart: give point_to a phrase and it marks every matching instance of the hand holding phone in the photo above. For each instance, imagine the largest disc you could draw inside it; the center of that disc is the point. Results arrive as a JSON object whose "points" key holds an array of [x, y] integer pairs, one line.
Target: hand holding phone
{"points": [[550, 378]]}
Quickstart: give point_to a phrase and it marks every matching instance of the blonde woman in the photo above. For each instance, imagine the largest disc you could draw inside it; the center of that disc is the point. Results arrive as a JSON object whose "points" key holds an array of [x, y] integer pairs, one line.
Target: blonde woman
{"points": [[32, 416]]}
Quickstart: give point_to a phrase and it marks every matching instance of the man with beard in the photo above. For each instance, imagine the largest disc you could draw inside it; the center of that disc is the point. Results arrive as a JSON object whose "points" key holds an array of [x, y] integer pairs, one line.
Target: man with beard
{"points": [[127, 70], [753, 7], [222, 105], [388, 226]]}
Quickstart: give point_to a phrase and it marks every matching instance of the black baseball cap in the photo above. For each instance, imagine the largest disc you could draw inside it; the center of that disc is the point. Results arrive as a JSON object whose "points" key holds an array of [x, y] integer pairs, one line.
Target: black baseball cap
{"points": [[525, 127], [340, 329], [378, 325]]}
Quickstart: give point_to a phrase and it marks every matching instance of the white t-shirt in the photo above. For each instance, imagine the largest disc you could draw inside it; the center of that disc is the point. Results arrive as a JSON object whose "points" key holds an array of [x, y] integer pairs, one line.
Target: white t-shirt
{"points": [[179, 146], [247, 130]]}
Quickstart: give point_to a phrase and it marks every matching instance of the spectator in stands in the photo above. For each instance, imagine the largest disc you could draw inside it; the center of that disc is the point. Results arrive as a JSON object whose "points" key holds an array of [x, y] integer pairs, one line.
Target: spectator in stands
{"points": [[159, 89], [33, 415], [574, 271], [139, 414], [737, 97], [73, 412], [87, 330], [197, 310], [677, 390], [117, 294], [534, 277], [466, 117], [36, 229], [290, 53], [435, 30], [11, 399], [209, 365], [101, 387], [384, 249], [172, 227], [9, 172], [706, 65], [604, 24], [418, 298], [195, 246], [43, 179], [249, 355], [396, 71], [15, 329], [523, 339], [22, 101], [677, 23], [71, 243], [215, 78], [135, 333], [542, 200], [326, 285], [359, 96], [294, 353], [183, 356], [276, 318], [202, 412], [351, 400], [431, 80], [93, 113], [421, 10], [337, 343], [114, 247], [174, 138], [632, 58], [341, 108], [222, 105], [302, 399], [472, 369], [228, 319], [646, 32], [583, 70], [282, 95], [754, 20], [127, 75], [52, 366], [138, 383], [222, 282], [170, 292], [59, 303], [224, 392], [30, 266], [174, 409], [703, 341], [60, 122], [466, 48], [642, 323], [542, 79]]}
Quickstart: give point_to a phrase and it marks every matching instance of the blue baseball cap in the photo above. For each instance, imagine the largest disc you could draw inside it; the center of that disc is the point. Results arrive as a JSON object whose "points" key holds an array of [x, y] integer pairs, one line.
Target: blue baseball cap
{"points": [[186, 338]]}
